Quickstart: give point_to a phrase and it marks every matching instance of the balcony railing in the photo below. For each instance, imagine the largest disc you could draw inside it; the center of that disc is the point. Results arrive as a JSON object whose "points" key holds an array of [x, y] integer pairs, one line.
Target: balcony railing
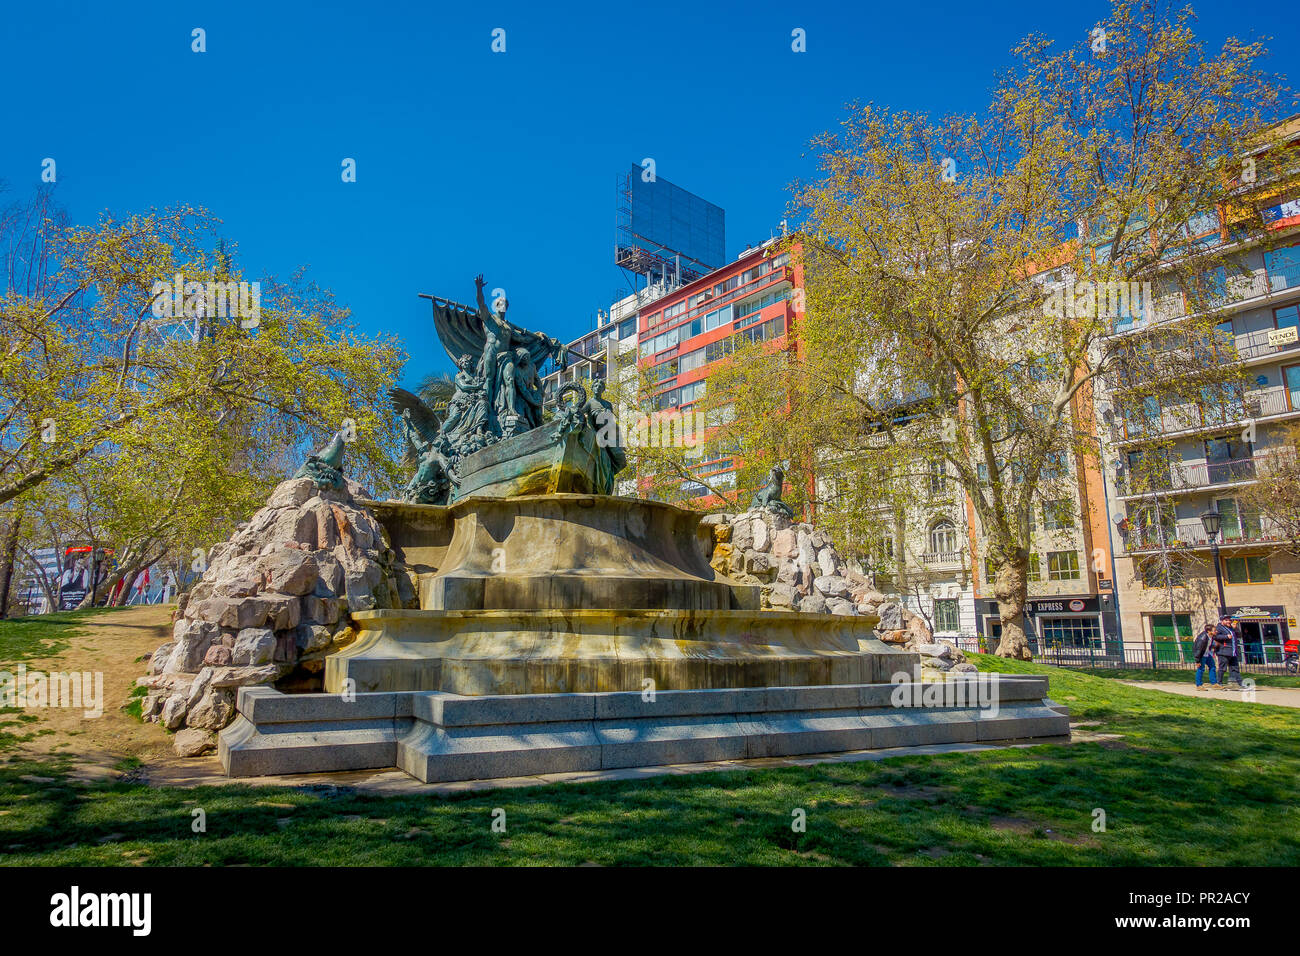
{"points": [[1245, 529], [941, 557], [1259, 403], [1191, 475], [1254, 344]]}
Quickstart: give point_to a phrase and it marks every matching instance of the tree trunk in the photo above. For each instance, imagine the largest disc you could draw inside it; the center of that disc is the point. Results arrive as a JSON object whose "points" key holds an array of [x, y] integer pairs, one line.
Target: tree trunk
{"points": [[8, 558], [1011, 588]]}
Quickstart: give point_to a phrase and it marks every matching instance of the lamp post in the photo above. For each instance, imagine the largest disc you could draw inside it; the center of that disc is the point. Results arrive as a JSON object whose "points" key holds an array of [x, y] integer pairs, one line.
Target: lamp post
{"points": [[1212, 522]]}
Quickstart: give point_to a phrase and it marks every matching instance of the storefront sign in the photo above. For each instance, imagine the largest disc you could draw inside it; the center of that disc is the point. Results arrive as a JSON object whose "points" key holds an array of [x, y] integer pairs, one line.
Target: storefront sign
{"points": [[1267, 612], [1062, 606]]}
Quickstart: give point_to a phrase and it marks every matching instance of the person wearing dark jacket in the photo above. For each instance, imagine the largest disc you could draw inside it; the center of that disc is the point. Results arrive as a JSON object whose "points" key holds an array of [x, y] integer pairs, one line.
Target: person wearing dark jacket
{"points": [[1227, 647], [1203, 654]]}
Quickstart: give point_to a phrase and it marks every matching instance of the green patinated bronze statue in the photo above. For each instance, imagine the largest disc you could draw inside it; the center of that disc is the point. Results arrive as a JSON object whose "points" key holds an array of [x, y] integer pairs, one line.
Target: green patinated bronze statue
{"points": [[492, 440]]}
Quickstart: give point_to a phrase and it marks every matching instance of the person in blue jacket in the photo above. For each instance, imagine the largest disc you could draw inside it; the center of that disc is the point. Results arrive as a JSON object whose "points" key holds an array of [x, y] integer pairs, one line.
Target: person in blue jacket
{"points": [[1203, 655], [1227, 647]]}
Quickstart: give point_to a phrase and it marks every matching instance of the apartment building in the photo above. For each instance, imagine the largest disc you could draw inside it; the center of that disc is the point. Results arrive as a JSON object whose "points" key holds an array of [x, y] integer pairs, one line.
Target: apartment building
{"points": [[1212, 451], [1215, 449], [685, 332]]}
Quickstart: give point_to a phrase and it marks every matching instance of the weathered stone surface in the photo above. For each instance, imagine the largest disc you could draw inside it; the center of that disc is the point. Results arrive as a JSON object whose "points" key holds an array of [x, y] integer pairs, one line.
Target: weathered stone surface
{"points": [[892, 637], [214, 710], [254, 646], [158, 660], [194, 742], [241, 676], [312, 637], [841, 607], [240, 585], [762, 539], [965, 668], [289, 572], [721, 561], [322, 610], [891, 617], [756, 563], [785, 544], [742, 534], [173, 712], [934, 650], [217, 656], [283, 611], [292, 493], [812, 603], [829, 563], [782, 596], [831, 586], [192, 644]]}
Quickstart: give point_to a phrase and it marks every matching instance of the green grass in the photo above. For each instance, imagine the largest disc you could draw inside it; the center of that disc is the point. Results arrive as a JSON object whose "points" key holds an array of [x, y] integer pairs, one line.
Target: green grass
{"points": [[24, 639], [1187, 675], [1189, 782]]}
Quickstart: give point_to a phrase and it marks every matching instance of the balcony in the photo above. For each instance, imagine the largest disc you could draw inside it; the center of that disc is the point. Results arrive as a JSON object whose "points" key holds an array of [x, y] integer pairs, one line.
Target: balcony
{"points": [[1187, 476], [1253, 345], [1244, 530], [1191, 418], [943, 559]]}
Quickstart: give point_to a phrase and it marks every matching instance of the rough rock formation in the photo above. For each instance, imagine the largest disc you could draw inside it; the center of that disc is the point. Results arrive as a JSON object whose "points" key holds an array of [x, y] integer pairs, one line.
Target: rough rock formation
{"points": [[798, 569], [274, 601]]}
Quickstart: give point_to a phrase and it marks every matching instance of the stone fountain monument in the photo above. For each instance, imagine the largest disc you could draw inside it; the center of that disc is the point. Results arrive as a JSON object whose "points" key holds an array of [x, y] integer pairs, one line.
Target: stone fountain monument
{"points": [[548, 625]]}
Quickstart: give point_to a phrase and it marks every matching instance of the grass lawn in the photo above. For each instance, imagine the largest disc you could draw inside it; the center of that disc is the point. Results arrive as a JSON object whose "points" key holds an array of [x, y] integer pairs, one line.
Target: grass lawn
{"points": [[1190, 781], [1187, 675]]}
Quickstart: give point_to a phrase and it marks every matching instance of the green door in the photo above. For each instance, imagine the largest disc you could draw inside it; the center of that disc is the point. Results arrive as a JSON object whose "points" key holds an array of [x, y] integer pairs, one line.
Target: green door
{"points": [[1162, 635]]}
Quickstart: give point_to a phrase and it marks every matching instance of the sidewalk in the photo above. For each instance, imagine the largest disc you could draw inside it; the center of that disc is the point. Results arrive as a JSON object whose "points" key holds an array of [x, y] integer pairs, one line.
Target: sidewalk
{"points": [[1278, 696]]}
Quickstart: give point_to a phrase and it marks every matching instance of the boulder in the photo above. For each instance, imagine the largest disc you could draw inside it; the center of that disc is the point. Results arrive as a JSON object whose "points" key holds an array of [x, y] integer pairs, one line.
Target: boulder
{"points": [[214, 710], [289, 572], [829, 562], [785, 544], [292, 494], [762, 539], [218, 655], [892, 637], [158, 659], [841, 607], [833, 586], [934, 650], [742, 533], [891, 617], [194, 742], [254, 646], [192, 643], [241, 676], [781, 596], [813, 603], [322, 610], [756, 563], [173, 712]]}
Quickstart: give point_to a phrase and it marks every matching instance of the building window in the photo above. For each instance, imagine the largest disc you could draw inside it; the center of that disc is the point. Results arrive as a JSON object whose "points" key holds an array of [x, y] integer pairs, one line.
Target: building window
{"points": [[1247, 569], [943, 537], [1058, 514], [1035, 572], [1062, 565], [945, 615], [937, 473]]}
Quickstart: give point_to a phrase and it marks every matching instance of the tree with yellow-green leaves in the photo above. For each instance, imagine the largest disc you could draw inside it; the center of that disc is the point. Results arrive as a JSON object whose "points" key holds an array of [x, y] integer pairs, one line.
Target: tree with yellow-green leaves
{"points": [[971, 280], [143, 385]]}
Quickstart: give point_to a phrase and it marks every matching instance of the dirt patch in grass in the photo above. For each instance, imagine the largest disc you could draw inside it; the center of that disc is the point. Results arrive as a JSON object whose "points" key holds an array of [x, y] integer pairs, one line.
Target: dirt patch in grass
{"points": [[111, 643]]}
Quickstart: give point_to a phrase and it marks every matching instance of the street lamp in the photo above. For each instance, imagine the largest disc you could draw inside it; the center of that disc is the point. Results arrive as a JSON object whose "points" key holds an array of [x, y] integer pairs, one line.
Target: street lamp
{"points": [[1212, 522]]}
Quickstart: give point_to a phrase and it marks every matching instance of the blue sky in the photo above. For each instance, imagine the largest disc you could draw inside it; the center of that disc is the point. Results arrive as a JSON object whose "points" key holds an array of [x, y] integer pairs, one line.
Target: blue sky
{"points": [[469, 160]]}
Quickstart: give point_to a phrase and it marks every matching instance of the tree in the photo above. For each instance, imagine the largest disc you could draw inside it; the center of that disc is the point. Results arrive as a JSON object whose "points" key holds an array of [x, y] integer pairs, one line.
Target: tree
{"points": [[86, 365], [971, 280], [1274, 500], [152, 424]]}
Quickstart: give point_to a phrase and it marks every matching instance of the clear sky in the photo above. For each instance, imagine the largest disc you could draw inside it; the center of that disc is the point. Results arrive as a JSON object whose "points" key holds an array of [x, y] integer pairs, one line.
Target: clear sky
{"points": [[473, 161]]}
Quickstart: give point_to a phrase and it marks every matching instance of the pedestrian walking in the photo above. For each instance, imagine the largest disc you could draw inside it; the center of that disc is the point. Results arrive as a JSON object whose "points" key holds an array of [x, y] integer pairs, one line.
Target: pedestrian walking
{"points": [[1227, 647], [1203, 655]]}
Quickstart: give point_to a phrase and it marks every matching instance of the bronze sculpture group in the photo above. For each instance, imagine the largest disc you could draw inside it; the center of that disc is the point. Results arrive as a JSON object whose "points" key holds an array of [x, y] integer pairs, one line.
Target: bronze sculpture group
{"points": [[497, 396]]}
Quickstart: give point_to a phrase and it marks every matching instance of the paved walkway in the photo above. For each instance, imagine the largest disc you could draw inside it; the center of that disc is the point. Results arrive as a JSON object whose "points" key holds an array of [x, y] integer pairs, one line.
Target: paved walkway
{"points": [[1278, 696]]}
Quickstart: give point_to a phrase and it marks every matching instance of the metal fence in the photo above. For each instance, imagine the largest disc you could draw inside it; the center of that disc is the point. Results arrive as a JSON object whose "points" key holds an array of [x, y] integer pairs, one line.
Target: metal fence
{"points": [[1163, 655]]}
